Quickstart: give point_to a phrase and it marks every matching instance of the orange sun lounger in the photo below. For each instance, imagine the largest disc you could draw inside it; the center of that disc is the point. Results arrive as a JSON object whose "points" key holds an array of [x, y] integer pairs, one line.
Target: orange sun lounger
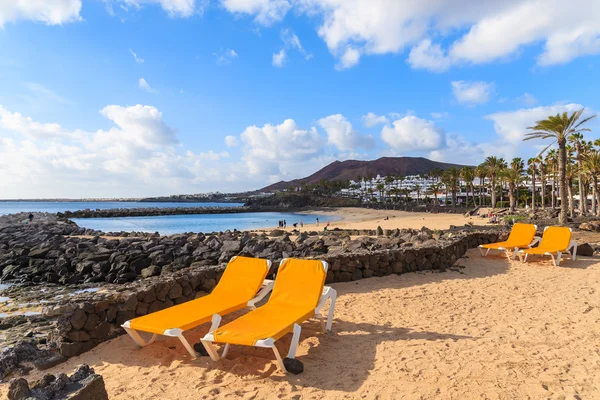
{"points": [[298, 294], [237, 288], [555, 241], [521, 236]]}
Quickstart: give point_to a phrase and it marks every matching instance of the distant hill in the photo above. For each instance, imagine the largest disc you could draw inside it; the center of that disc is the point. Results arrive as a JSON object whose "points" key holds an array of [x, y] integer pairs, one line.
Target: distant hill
{"points": [[352, 169]]}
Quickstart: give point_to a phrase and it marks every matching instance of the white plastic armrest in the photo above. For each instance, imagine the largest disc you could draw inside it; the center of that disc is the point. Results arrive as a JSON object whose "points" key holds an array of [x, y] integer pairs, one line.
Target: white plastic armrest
{"points": [[267, 287], [536, 240], [326, 294]]}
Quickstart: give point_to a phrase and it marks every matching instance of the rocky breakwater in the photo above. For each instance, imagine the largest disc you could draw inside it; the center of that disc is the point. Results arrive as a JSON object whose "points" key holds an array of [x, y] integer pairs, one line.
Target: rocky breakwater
{"points": [[150, 211], [83, 384]]}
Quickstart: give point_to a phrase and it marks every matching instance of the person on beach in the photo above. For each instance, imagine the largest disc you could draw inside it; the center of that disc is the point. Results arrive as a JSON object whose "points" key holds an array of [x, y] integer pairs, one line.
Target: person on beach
{"points": [[301, 224], [284, 224], [30, 217], [317, 221]]}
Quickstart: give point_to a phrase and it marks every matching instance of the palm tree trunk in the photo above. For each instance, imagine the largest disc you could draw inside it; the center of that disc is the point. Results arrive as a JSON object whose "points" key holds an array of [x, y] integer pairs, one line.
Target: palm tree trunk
{"points": [[571, 198], [594, 193], [582, 195], [511, 195], [533, 189], [562, 178], [493, 191], [543, 179]]}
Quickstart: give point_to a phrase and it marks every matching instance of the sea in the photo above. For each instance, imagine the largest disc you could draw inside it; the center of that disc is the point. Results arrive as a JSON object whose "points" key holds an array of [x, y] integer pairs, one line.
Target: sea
{"points": [[165, 224]]}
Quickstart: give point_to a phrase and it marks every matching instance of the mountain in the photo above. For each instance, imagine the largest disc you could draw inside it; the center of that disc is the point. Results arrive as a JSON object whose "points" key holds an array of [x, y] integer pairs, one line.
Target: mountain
{"points": [[352, 169]]}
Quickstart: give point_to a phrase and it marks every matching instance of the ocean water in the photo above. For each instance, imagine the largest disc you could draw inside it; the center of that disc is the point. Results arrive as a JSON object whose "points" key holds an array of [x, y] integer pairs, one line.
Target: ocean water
{"points": [[11, 207], [170, 224]]}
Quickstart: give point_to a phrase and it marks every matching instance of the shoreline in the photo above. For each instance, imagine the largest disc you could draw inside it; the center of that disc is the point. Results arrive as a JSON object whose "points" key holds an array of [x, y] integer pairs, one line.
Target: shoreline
{"points": [[366, 218]]}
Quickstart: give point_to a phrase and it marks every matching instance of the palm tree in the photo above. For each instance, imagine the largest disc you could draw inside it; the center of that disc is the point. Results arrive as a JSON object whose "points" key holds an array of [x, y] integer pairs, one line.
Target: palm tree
{"points": [[513, 177], [451, 177], [532, 163], [482, 173], [591, 166], [517, 163], [578, 143], [418, 189], [542, 170], [380, 187], [494, 165], [559, 128], [468, 175], [435, 189]]}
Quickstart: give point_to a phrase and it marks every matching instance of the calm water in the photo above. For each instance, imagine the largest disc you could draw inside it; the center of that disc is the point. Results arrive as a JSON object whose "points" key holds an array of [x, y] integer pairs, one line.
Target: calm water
{"points": [[11, 207], [169, 224]]}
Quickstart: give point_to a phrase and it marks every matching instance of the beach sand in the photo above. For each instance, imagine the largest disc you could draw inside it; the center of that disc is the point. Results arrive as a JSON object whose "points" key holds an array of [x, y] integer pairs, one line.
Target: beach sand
{"points": [[364, 218], [487, 329]]}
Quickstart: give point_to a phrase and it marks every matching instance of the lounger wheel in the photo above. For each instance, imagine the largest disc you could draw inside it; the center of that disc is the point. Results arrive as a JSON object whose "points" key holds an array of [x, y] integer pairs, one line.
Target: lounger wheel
{"points": [[293, 366], [200, 349]]}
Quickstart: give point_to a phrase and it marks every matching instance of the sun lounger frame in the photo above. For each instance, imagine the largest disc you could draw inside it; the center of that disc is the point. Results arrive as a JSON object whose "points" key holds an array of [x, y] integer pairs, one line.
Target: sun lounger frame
{"points": [[267, 286], [328, 293], [515, 250], [571, 250]]}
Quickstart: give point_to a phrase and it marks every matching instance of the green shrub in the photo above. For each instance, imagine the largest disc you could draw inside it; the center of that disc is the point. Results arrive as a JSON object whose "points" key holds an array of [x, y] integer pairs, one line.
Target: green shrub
{"points": [[515, 218], [502, 204]]}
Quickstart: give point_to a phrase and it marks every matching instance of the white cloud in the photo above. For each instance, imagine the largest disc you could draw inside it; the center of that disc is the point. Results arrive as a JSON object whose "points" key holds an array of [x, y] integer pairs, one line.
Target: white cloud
{"points": [[137, 59], [511, 126], [277, 150], [290, 42], [231, 141], [341, 135], [266, 12], [439, 115], [488, 30], [225, 56], [528, 99], [412, 134], [41, 92], [15, 122], [278, 59], [428, 56], [50, 12], [175, 8], [349, 58], [458, 150], [145, 86], [371, 119], [472, 93]]}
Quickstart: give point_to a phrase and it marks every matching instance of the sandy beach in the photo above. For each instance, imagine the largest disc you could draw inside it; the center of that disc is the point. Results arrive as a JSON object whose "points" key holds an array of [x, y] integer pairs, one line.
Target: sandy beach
{"points": [[364, 218], [488, 328]]}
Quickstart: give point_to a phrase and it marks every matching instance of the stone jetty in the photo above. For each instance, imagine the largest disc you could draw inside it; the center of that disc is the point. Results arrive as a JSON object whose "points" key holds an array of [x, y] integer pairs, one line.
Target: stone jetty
{"points": [[151, 211]]}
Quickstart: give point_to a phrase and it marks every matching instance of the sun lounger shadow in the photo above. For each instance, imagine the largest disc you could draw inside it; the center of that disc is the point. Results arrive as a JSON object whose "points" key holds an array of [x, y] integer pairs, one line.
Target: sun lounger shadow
{"points": [[351, 349]]}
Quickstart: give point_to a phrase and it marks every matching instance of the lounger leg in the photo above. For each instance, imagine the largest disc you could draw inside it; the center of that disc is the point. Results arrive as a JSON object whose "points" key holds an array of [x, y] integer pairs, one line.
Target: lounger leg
{"points": [[225, 350], [558, 259], [211, 350], [187, 346], [138, 339], [279, 359], [331, 309], [295, 341], [574, 251]]}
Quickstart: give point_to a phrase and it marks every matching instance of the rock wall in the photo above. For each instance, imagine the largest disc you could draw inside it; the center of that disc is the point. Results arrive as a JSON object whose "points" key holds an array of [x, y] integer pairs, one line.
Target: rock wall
{"points": [[92, 318], [150, 211]]}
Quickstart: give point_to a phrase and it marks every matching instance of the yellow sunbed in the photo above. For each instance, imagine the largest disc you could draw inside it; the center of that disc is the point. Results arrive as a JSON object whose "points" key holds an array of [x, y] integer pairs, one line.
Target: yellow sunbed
{"points": [[555, 241], [521, 236], [237, 288], [298, 295]]}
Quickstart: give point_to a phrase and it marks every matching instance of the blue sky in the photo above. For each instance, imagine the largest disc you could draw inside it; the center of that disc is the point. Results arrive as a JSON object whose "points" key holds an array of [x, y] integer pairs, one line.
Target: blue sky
{"points": [[133, 98]]}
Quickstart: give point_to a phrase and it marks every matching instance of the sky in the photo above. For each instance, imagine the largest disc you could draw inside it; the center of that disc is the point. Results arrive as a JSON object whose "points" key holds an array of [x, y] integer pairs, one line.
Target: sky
{"points": [[134, 98]]}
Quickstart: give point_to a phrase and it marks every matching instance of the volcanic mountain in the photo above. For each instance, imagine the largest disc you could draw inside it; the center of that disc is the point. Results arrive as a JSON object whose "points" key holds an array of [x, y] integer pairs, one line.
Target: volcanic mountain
{"points": [[352, 169]]}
